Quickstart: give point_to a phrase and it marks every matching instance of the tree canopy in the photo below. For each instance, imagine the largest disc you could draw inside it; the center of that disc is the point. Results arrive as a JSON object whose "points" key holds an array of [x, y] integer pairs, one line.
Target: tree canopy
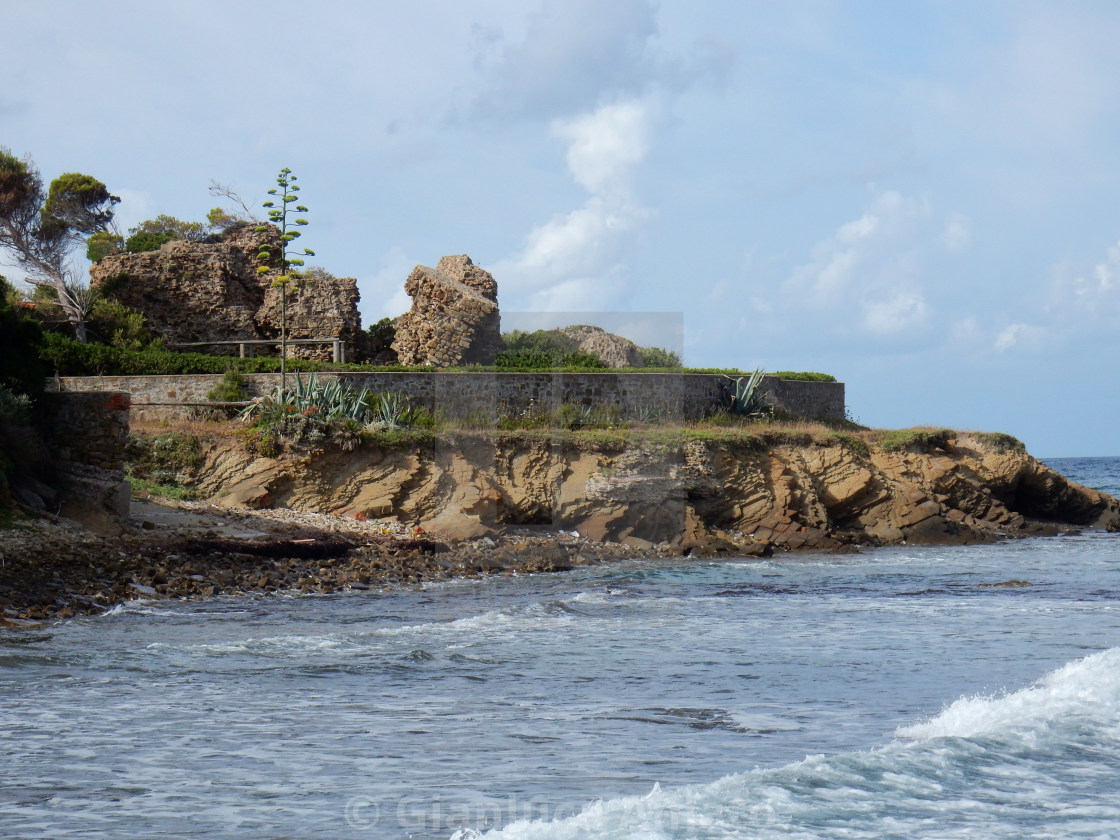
{"points": [[41, 227]]}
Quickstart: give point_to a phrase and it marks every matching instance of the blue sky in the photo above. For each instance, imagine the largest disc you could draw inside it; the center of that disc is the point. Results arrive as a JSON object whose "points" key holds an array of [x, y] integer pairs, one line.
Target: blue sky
{"points": [[919, 197]]}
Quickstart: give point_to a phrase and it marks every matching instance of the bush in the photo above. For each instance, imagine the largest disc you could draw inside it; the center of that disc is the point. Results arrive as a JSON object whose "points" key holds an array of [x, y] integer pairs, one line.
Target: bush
{"points": [[549, 342], [1001, 442], [803, 375], [659, 357], [146, 241], [21, 370], [167, 459], [530, 360], [15, 409], [849, 442], [919, 440], [544, 350], [230, 389], [70, 357], [111, 322]]}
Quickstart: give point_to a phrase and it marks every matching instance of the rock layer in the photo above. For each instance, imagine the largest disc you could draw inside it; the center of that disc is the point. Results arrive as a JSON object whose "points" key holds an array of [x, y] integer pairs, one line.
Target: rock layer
{"points": [[704, 496]]}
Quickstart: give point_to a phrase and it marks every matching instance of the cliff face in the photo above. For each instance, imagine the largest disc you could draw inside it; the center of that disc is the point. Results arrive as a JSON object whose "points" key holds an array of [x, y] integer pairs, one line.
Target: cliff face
{"points": [[705, 496]]}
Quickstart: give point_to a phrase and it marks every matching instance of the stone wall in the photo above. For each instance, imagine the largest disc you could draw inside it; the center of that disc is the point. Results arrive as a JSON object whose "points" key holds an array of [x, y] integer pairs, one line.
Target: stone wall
{"points": [[87, 433], [210, 291], [454, 317], [668, 396]]}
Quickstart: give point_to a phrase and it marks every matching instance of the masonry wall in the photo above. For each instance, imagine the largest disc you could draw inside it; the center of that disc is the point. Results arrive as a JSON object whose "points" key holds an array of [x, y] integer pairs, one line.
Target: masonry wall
{"points": [[87, 433], [645, 396]]}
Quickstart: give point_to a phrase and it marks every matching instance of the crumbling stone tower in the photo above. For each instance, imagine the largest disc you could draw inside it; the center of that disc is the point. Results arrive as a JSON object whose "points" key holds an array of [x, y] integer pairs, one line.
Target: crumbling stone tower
{"points": [[454, 317]]}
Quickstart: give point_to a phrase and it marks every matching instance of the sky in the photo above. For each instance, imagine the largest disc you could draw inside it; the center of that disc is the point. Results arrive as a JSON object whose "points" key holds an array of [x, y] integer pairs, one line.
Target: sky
{"points": [[917, 197]]}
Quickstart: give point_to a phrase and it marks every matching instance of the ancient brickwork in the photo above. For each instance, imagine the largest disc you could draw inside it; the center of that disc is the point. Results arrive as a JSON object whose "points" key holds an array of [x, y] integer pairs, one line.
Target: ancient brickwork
{"points": [[87, 434], [211, 291], [454, 317]]}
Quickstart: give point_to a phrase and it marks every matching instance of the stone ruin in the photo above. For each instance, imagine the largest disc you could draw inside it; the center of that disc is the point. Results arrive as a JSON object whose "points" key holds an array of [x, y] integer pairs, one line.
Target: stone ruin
{"points": [[210, 291], [454, 318]]}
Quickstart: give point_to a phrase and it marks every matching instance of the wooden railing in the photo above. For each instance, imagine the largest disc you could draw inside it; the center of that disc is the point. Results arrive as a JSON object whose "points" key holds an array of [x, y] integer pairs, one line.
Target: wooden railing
{"points": [[338, 345]]}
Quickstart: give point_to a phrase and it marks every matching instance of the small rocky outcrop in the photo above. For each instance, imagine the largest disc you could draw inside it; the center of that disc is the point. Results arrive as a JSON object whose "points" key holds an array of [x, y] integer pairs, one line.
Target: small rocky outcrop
{"points": [[613, 350], [210, 291], [454, 318]]}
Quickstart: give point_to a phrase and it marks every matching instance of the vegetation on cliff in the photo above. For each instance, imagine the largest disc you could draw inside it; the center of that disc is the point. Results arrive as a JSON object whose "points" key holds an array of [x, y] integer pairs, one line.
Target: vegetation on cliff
{"points": [[41, 227]]}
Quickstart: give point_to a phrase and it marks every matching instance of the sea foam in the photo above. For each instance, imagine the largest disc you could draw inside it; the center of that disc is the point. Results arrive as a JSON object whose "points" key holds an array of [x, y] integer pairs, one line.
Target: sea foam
{"points": [[941, 778]]}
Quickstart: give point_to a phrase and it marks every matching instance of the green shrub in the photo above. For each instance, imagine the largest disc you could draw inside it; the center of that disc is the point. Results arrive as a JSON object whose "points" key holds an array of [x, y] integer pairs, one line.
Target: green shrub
{"points": [[549, 342], [1000, 442], [544, 350], [102, 244], [803, 376], [15, 409], [394, 410], [849, 442], [145, 240], [111, 322], [230, 389], [920, 440], [164, 491], [169, 459], [21, 370], [659, 357], [536, 360], [70, 357]]}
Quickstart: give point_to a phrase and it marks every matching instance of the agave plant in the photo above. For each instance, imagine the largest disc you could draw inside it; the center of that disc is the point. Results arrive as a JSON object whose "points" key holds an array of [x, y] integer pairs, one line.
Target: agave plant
{"points": [[328, 401], [390, 410], [746, 399]]}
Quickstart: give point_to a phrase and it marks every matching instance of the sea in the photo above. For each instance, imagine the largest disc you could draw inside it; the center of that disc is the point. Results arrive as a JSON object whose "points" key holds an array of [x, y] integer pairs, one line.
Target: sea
{"points": [[961, 692]]}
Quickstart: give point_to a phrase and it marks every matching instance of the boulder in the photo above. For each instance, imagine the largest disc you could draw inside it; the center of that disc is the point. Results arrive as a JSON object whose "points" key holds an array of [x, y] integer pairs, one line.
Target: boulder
{"points": [[613, 350]]}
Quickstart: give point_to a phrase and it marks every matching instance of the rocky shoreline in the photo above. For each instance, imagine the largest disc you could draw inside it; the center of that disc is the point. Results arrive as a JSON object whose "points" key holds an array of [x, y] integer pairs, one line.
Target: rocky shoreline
{"points": [[51, 568], [324, 522]]}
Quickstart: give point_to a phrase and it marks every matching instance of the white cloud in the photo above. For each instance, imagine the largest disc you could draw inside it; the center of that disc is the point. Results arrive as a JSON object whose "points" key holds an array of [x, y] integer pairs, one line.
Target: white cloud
{"points": [[606, 144], [575, 242], [581, 294], [861, 228], [956, 235], [901, 310], [575, 54], [1022, 336], [571, 253], [868, 266], [869, 283], [1089, 299], [1007, 337]]}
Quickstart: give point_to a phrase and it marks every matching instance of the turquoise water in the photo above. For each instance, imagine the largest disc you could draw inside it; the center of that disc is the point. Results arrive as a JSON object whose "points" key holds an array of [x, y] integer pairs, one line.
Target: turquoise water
{"points": [[898, 693]]}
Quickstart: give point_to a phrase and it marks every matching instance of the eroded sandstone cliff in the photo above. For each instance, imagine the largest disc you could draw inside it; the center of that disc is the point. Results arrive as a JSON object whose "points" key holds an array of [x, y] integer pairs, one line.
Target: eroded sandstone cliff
{"points": [[697, 495]]}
